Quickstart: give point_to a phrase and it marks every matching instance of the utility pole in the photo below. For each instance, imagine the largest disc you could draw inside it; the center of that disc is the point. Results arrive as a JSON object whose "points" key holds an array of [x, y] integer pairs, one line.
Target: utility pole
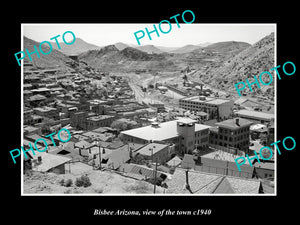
{"points": [[99, 156], [155, 173]]}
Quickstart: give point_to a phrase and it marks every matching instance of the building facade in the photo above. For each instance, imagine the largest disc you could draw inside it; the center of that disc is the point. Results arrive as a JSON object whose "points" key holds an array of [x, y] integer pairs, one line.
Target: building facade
{"points": [[216, 108], [184, 133], [99, 121], [232, 133], [257, 117], [156, 152]]}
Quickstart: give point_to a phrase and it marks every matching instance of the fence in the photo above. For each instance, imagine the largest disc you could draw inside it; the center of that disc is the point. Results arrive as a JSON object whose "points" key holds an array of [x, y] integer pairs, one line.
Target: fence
{"points": [[230, 150]]}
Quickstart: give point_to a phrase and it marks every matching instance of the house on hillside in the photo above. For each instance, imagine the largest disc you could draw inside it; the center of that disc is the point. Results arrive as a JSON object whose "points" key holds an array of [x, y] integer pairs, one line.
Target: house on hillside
{"points": [[45, 162]]}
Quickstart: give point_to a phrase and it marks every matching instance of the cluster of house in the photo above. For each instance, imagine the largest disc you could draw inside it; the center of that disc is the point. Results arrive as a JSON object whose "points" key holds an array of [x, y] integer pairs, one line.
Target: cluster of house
{"points": [[157, 150]]}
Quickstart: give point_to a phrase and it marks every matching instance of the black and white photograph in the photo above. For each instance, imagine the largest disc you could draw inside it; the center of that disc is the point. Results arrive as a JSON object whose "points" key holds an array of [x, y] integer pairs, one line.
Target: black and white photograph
{"points": [[139, 112], [160, 118]]}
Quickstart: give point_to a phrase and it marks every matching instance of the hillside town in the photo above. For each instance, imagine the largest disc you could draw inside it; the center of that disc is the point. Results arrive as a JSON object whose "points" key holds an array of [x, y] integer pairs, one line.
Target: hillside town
{"points": [[189, 148], [143, 131]]}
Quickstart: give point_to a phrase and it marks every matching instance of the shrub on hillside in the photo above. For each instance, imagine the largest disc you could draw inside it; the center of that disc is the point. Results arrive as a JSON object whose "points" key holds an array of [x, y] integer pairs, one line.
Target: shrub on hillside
{"points": [[84, 181]]}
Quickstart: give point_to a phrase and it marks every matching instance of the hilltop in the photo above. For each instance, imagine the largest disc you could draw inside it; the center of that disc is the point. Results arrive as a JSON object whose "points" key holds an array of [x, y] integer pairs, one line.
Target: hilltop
{"points": [[55, 59], [185, 49], [120, 45], [110, 58], [150, 49], [78, 47]]}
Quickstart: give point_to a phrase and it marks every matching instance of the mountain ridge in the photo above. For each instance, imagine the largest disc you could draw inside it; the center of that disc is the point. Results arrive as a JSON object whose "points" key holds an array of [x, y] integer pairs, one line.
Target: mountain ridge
{"points": [[78, 47], [55, 59]]}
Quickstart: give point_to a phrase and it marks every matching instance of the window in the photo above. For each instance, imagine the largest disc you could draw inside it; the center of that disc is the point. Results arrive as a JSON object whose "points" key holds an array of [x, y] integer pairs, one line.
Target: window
{"points": [[204, 140]]}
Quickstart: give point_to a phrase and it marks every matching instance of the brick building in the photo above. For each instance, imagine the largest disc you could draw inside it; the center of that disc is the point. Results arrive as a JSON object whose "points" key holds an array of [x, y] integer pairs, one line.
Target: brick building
{"points": [[232, 133]]}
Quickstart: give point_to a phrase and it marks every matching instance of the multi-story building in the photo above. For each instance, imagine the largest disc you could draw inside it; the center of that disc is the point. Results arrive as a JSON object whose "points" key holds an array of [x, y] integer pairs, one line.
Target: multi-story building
{"points": [[156, 152], [232, 133], [184, 133], [99, 121], [27, 115], [78, 119], [216, 108], [257, 117]]}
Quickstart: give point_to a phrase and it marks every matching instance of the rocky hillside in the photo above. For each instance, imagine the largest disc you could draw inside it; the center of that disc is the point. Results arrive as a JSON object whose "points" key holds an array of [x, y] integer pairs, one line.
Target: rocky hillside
{"points": [[250, 62], [110, 58], [104, 182], [121, 45], [55, 59]]}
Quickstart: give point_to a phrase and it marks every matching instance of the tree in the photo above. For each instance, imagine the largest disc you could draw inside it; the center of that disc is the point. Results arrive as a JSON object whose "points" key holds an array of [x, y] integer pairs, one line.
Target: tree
{"points": [[123, 124], [265, 153]]}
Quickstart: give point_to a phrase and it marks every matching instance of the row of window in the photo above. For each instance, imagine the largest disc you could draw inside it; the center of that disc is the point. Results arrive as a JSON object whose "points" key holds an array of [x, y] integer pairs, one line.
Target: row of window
{"points": [[98, 124], [190, 103], [198, 107], [201, 133], [238, 138], [239, 131]]}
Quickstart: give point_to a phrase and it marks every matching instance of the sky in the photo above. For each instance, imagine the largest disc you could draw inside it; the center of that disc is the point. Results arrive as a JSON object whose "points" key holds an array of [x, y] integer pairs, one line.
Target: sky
{"points": [[194, 33]]}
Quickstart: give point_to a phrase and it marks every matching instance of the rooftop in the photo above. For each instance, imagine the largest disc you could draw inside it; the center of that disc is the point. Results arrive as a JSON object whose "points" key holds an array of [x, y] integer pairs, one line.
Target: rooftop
{"points": [[186, 120], [161, 132], [44, 109], [37, 97], [221, 155], [30, 129], [209, 100], [99, 117], [40, 89], [49, 161], [255, 114], [234, 123], [155, 147], [265, 165], [176, 161], [206, 183]]}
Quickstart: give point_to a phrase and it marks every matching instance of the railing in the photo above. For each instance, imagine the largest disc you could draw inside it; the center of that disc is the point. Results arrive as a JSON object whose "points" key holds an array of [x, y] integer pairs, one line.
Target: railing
{"points": [[230, 150]]}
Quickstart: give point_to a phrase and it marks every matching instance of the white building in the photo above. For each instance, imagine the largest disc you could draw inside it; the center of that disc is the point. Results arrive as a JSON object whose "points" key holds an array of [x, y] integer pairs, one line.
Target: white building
{"points": [[185, 133], [215, 107]]}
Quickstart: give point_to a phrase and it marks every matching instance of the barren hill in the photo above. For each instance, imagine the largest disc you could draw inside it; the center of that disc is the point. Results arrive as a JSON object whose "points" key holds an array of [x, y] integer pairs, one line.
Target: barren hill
{"points": [[185, 49], [104, 182], [79, 46], [150, 49], [55, 59], [121, 45], [110, 58], [250, 62]]}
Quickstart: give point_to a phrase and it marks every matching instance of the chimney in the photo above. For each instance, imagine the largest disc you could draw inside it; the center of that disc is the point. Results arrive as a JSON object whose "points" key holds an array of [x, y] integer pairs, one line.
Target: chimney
{"points": [[237, 120]]}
